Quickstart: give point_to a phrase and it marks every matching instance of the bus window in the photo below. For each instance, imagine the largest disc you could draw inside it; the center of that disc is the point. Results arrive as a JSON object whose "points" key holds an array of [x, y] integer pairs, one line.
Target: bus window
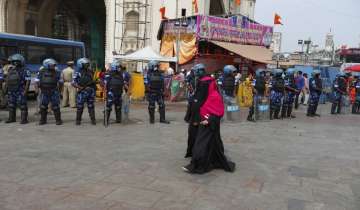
{"points": [[63, 54], [78, 53], [36, 54]]}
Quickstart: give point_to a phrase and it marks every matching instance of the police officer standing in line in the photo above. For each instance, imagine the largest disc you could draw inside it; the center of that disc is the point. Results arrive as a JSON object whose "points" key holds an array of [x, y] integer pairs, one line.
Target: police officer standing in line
{"points": [[69, 92], [289, 95], [228, 81], [86, 86], [259, 84], [18, 82], [356, 105], [315, 86], [49, 81], [339, 89], [277, 93], [1, 81], [154, 84], [114, 85]]}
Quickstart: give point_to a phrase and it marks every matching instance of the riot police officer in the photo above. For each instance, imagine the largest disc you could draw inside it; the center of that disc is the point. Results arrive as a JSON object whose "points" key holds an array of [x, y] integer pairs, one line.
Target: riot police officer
{"points": [[154, 83], [259, 85], [18, 82], [339, 89], [315, 86], [49, 81], [289, 94], [114, 84], [356, 105], [277, 93], [228, 81], [86, 86]]}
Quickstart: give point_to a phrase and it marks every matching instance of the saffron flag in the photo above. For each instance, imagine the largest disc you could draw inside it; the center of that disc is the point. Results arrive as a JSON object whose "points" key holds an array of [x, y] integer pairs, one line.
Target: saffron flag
{"points": [[238, 2], [162, 12], [277, 20], [195, 6]]}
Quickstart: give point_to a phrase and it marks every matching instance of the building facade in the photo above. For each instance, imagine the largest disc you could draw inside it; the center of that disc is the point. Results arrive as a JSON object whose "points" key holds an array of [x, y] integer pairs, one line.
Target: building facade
{"points": [[275, 46], [105, 26]]}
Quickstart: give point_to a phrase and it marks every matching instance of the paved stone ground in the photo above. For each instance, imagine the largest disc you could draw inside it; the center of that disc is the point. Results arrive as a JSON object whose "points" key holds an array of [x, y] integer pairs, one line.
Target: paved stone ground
{"points": [[301, 164]]}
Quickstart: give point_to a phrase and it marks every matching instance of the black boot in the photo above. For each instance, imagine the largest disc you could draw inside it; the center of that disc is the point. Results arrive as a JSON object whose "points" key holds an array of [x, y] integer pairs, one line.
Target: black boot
{"points": [[276, 114], [57, 115], [107, 116], [152, 116], [24, 117], [271, 114], [92, 116], [353, 111], [289, 113], [12, 116], [333, 108], [310, 111], [79, 113], [283, 112], [314, 110], [118, 114], [43, 116], [162, 116]]}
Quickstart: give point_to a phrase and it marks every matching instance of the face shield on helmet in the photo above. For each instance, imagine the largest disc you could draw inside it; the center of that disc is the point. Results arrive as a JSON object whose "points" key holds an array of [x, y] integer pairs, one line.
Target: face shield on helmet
{"points": [[153, 65], [49, 64], [199, 70], [229, 69], [83, 63], [17, 60], [116, 65], [260, 73]]}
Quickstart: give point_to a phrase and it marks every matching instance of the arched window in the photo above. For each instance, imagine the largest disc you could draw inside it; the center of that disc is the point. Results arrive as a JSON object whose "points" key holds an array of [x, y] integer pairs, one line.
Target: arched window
{"points": [[132, 23], [30, 27]]}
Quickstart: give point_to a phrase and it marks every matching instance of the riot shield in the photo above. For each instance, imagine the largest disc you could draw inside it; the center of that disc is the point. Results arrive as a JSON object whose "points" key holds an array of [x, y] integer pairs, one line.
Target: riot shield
{"points": [[345, 105], [125, 107], [262, 108], [232, 109]]}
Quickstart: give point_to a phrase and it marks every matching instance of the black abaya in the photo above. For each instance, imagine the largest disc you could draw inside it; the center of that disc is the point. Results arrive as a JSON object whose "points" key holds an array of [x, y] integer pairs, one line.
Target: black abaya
{"points": [[193, 114], [208, 150]]}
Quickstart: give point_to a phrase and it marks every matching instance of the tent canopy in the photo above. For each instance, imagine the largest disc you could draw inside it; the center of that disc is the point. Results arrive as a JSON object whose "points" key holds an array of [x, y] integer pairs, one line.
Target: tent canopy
{"points": [[145, 54]]}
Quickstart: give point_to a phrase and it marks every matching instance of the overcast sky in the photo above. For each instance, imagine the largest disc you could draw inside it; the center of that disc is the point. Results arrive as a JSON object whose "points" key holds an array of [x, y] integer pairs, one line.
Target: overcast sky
{"points": [[312, 18]]}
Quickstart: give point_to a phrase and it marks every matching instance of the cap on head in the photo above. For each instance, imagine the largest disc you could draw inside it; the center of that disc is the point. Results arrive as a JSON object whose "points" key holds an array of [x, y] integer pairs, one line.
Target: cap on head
{"points": [[316, 72]]}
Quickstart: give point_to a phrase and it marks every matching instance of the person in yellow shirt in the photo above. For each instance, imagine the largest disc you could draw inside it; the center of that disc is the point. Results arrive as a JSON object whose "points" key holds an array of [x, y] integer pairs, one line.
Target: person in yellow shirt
{"points": [[69, 92]]}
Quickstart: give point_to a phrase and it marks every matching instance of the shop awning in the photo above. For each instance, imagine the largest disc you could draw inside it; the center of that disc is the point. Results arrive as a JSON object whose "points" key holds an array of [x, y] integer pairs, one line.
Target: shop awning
{"points": [[256, 53]]}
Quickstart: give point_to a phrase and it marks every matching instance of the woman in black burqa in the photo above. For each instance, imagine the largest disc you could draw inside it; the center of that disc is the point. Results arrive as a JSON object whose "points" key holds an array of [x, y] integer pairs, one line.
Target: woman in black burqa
{"points": [[207, 111]]}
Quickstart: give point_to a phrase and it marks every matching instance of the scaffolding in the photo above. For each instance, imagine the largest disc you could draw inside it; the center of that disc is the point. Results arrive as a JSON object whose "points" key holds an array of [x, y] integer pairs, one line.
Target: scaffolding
{"points": [[131, 30]]}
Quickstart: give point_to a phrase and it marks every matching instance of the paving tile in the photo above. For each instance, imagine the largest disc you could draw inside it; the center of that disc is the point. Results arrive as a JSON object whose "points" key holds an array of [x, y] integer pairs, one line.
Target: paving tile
{"points": [[303, 172], [132, 180], [135, 196], [76, 202]]}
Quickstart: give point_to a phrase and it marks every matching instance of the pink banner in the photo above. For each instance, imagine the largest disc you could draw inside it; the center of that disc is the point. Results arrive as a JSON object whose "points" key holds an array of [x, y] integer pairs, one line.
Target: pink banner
{"points": [[235, 29]]}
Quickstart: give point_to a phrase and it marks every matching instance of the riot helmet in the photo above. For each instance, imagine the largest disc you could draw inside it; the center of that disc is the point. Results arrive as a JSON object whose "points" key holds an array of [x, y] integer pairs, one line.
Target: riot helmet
{"points": [[278, 73], [116, 65], [49, 63], [83, 63], [17, 60], [260, 73], [316, 73], [199, 70], [153, 65], [229, 69], [290, 72]]}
